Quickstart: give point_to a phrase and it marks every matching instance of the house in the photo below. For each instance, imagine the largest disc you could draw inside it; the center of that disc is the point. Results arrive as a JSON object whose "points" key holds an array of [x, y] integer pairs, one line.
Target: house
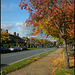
{"points": [[13, 38]]}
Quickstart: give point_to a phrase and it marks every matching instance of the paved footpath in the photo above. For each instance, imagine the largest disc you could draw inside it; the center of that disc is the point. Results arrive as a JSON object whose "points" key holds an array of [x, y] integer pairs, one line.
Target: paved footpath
{"points": [[40, 67]]}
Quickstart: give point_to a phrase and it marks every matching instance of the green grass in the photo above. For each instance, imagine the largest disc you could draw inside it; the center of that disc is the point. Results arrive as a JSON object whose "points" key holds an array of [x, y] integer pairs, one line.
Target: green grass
{"points": [[22, 63], [61, 70], [18, 65]]}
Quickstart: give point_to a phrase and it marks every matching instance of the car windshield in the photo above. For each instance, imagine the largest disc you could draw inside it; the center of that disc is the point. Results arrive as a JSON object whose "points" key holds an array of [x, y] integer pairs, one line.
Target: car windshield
{"points": [[15, 46], [5, 47]]}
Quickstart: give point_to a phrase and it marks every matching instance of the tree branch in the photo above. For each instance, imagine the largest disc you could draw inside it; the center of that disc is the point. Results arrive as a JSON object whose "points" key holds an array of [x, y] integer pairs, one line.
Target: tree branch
{"points": [[63, 28], [58, 27]]}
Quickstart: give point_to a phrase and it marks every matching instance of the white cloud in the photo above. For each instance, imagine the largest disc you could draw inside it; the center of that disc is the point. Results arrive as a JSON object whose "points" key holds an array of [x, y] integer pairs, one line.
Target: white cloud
{"points": [[26, 31], [7, 26], [19, 24], [23, 29]]}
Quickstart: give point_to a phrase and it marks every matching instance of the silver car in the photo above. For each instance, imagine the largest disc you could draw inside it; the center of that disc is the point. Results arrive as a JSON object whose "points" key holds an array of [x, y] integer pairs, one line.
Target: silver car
{"points": [[14, 48]]}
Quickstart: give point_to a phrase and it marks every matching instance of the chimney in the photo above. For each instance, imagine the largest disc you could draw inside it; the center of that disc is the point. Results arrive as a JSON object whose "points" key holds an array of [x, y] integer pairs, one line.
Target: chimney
{"points": [[14, 33], [6, 31], [18, 34]]}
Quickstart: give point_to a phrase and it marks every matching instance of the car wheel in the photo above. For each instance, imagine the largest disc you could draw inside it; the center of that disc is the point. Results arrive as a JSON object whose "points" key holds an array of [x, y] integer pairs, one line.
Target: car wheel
{"points": [[3, 52], [9, 51]]}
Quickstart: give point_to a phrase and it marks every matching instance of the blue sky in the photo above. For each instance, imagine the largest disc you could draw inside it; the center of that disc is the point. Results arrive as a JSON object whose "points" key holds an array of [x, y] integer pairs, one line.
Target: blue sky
{"points": [[12, 18]]}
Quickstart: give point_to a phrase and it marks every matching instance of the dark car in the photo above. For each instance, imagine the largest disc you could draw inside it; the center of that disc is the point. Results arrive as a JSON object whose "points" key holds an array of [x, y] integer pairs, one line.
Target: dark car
{"points": [[50, 46], [4, 49], [20, 47], [24, 47], [58, 46]]}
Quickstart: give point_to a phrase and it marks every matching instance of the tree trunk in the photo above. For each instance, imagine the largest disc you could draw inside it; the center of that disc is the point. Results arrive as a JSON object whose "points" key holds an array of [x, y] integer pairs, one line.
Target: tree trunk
{"points": [[65, 55]]}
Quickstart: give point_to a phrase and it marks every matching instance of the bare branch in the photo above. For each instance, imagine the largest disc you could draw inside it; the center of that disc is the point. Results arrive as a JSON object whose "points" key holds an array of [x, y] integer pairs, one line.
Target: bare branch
{"points": [[56, 24], [58, 27], [63, 28]]}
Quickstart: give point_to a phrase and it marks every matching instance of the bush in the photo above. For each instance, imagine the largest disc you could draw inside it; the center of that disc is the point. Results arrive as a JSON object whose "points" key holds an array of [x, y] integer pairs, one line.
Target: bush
{"points": [[9, 45], [20, 44]]}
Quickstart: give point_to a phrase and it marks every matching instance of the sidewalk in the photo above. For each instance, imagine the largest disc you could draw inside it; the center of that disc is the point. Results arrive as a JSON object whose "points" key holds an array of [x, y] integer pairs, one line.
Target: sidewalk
{"points": [[40, 67]]}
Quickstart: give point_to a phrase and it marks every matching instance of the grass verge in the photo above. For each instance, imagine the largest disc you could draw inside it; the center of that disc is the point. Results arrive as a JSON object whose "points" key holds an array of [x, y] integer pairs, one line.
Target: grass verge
{"points": [[60, 68], [18, 65], [23, 63]]}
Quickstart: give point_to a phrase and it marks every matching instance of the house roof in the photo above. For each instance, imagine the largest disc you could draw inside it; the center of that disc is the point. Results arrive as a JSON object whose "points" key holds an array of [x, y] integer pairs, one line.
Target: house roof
{"points": [[15, 36]]}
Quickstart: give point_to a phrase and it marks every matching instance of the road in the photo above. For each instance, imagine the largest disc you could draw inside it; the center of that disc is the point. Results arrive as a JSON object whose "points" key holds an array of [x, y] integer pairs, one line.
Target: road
{"points": [[10, 58]]}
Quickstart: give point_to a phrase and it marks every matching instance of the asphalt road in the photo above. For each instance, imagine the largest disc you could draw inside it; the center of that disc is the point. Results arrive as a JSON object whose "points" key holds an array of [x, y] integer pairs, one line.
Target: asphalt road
{"points": [[10, 58]]}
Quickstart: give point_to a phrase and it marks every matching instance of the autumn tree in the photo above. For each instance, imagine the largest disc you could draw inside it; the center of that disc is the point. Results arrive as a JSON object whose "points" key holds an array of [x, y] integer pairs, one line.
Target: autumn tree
{"points": [[54, 17], [70, 42], [58, 42], [4, 36], [39, 41], [33, 40], [48, 42]]}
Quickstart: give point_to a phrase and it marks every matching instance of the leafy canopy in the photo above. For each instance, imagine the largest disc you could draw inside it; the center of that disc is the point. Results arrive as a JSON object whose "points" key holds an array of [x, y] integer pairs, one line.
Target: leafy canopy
{"points": [[4, 36], [54, 17]]}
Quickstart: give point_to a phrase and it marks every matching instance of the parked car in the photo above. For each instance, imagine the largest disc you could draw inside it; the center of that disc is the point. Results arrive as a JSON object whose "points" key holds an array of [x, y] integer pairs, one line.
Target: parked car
{"points": [[20, 47], [50, 46], [4, 49], [24, 47], [58, 46], [14, 48]]}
